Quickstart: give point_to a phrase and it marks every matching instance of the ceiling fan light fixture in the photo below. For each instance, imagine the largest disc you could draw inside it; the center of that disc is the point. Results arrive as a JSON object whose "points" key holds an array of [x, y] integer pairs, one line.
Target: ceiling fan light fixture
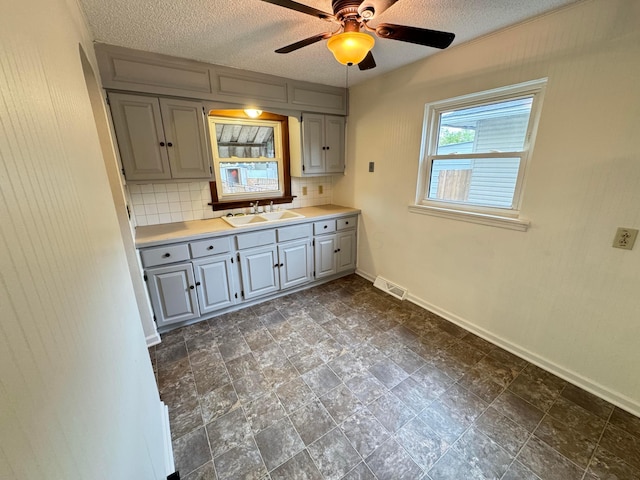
{"points": [[350, 48], [252, 112]]}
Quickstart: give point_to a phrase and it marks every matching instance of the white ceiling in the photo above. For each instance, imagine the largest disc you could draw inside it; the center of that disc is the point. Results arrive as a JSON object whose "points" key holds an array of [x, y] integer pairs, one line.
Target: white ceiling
{"points": [[244, 33]]}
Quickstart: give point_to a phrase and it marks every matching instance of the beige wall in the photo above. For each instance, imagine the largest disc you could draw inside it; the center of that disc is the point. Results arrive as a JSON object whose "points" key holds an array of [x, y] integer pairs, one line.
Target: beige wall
{"points": [[558, 294], [77, 393]]}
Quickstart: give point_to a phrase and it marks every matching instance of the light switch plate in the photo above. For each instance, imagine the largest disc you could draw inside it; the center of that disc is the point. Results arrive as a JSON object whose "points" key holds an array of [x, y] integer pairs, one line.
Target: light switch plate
{"points": [[625, 238], [304, 190]]}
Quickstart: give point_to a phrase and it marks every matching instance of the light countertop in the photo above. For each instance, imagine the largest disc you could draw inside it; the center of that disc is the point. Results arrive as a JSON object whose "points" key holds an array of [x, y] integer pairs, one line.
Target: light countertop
{"points": [[153, 235]]}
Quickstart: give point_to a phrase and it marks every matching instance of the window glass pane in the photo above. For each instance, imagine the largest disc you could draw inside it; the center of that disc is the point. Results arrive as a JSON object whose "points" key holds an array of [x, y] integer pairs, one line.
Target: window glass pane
{"points": [[244, 141], [494, 127], [489, 182], [244, 177]]}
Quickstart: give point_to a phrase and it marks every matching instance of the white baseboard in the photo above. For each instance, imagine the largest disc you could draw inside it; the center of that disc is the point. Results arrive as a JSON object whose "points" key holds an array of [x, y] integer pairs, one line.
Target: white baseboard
{"points": [[570, 376], [170, 466], [153, 339]]}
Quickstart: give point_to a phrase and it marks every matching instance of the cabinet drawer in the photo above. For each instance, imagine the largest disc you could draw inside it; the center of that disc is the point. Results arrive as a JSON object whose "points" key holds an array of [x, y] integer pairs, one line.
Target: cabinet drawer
{"points": [[293, 233], [346, 223], [256, 239], [163, 255], [211, 246], [328, 226]]}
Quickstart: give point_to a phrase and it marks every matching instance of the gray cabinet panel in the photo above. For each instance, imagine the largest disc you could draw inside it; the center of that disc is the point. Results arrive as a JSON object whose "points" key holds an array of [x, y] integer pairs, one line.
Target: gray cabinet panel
{"points": [[259, 271], [325, 256], [346, 255], [138, 125], [295, 263], [334, 144], [313, 160], [214, 283], [186, 138], [172, 293]]}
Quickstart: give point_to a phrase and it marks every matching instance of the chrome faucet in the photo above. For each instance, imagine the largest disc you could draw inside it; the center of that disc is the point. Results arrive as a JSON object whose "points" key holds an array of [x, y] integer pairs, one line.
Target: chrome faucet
{"points": [[271, 206], [254, 207]]}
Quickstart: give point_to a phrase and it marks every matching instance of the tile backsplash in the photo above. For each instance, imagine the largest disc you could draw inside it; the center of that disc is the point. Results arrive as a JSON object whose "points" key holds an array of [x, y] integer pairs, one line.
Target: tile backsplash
{"points": [[156, 203]]}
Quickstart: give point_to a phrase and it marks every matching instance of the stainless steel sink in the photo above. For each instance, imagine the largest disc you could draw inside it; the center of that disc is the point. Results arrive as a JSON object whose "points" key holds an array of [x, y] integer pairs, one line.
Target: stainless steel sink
{"points": [[262, 218]]}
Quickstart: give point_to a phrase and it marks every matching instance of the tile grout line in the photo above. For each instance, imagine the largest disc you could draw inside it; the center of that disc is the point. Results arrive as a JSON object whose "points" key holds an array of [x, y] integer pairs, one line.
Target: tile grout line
{"points": [[595, 449]]}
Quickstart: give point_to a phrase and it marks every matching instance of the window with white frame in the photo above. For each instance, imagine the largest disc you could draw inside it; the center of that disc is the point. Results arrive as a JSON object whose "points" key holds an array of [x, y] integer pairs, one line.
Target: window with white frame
{"points": [[475, 151]]}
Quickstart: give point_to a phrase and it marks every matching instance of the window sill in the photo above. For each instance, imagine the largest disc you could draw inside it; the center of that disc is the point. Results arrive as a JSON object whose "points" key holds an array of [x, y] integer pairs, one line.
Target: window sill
{"points": [[473, 217]]}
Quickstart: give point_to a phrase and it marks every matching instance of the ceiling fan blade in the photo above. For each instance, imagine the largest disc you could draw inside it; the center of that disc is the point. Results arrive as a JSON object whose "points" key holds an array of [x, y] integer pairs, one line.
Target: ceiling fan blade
{"points": [[368, 63], [303, 43], [299, 7], [421, 36], [375, 7]]}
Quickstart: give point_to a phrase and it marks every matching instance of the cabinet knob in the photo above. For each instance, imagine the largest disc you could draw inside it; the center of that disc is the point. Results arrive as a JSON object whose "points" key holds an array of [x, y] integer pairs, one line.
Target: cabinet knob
{"points": [[197, 284], [162, 144], [327, 148], [335, 251], [326, 226], [191, 287], [166, 255], [275, 266], [281, 265], [338, 249], [324, 148], [210, 247], [346, 223], [169, 144]]}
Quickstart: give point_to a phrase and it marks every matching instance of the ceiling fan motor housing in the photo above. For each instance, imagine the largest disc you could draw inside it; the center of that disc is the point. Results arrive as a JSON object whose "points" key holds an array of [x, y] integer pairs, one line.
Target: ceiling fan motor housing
{"points": [[344, 9]]}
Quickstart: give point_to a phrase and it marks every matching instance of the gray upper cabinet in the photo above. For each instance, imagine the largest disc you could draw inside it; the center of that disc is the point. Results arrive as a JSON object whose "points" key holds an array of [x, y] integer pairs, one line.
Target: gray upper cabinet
{"points": [[185, 134], [160, 138], [320, 150], [125, 69], [138, 124]]}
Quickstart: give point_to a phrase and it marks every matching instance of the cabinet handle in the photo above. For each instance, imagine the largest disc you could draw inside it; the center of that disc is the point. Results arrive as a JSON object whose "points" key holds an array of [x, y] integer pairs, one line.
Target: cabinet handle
{"points": [[162, 144], [197, 284], [166, 255], [191, 287], [210, 247], [169, 144]]}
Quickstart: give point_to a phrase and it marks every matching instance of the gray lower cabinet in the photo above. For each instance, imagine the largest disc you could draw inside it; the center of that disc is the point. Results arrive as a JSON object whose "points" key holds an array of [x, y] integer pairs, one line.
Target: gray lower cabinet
{"points": [[215, 280], [173, 294], [335, 246], [296, 263], [259, 271], [193, 279], [160, 138]]}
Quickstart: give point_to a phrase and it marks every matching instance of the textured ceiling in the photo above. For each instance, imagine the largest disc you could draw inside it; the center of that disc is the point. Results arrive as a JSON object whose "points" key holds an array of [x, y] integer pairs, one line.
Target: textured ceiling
{"points": [[245, 33]]}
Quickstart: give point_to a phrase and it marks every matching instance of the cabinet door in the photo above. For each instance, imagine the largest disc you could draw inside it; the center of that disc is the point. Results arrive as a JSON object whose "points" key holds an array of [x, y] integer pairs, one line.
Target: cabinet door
{"points": [[186, 138], [214, 283], [334, 143], [325, 256], [138, 125], [346, 246], [295, 263], [259, 268], [313, 144], [172, 292]]}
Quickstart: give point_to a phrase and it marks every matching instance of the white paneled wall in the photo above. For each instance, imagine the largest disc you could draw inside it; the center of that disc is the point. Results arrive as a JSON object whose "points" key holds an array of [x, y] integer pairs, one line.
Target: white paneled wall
{"points": [[156, 203], [78, 398]]}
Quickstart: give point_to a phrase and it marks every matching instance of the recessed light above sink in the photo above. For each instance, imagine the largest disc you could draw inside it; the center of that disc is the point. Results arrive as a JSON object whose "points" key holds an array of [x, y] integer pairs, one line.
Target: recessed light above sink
{"points": [[262, 218]]}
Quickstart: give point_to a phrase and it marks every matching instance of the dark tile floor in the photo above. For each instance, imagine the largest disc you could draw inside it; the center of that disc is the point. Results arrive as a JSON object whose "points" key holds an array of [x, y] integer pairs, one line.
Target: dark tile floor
{"points": [[344, 382]]}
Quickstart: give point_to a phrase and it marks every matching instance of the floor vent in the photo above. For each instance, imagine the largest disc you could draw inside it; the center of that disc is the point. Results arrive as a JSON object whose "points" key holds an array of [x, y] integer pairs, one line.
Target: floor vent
{"points": [[390, 287]]}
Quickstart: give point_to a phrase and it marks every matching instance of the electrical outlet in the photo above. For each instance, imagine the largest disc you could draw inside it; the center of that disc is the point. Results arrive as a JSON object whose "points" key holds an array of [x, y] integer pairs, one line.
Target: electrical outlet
{"points": [[304, 190], [320, 189], [625, 238]]}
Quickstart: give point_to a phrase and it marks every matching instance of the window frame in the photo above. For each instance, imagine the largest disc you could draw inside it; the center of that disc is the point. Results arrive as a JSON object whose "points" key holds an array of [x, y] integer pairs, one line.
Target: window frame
{"points": [[224, 202], [428, 154]]}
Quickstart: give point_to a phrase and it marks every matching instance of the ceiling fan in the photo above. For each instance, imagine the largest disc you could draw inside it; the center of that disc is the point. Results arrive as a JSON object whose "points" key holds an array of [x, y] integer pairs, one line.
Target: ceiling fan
{"points": [[348, 44]]}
